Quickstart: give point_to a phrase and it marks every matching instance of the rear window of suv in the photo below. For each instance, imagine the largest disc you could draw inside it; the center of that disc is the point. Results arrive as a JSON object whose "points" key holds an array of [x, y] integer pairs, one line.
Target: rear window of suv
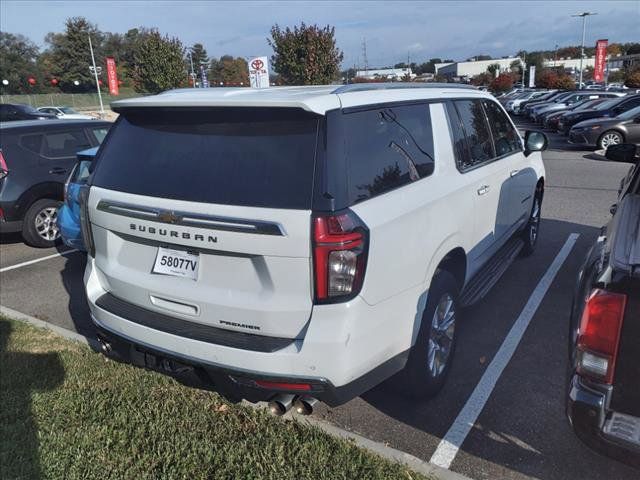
{"points": [[247, 157]]}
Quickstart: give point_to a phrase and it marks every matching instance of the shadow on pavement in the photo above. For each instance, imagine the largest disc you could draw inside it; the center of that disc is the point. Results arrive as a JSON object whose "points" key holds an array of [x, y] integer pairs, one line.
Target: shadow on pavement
{"points": [[22, 375], [523, 426]]}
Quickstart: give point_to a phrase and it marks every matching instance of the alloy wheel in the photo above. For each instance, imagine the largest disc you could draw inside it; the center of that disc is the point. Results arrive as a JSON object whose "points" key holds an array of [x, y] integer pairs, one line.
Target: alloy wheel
{"points": [[610, 138], [46, 224], [443, 326], [534, 221]]}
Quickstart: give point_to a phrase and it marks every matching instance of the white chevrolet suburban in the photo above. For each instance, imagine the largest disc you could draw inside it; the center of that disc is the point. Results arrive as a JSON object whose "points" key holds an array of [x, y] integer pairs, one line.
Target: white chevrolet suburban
{"points": [[298, 244]]}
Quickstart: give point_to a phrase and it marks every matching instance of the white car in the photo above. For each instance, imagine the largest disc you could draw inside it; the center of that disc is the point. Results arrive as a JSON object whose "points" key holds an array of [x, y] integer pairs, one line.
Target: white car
{"points": [[295, 244], [67, 113]]}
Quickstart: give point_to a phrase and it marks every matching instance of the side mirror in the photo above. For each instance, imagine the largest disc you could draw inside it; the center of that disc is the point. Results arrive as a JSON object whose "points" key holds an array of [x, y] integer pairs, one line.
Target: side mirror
{"points": [[534, 142], [623, 152]]}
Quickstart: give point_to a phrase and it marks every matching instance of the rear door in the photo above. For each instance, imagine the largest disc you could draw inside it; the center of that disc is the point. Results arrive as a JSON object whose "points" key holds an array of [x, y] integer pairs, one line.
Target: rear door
{"points": [[509, 152], [476, 155], [228, 189], [59, 150]]}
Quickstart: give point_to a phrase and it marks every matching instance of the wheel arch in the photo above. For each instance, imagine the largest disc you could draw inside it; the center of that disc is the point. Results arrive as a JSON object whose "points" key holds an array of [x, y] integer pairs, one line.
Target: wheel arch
{"points": [[454, 262]]}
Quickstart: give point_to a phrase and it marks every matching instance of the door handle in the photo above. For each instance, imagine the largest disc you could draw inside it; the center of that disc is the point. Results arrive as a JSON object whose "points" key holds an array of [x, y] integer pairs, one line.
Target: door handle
{"points": [[483, 189], [513, 173], [58, 171]]}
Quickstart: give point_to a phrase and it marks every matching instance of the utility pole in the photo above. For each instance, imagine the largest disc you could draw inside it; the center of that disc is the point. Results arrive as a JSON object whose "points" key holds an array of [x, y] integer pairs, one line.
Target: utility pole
{"points": [[584, 16], [364, 54], [193, 74], [95, 73]]}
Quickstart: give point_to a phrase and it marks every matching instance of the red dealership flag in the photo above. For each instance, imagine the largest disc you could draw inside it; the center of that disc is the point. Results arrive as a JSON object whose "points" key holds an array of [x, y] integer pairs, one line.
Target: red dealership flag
{"points": [[112, 76], [601, 60]]}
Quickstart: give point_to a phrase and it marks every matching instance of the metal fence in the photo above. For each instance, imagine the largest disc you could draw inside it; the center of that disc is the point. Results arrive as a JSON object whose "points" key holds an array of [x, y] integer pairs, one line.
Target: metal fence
{"points": [[79, 101]]}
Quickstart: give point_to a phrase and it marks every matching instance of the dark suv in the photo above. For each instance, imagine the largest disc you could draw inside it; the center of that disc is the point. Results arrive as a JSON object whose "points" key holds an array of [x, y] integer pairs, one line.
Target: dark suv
{"points": [[36, 158], [10, 112], [603, 402]]}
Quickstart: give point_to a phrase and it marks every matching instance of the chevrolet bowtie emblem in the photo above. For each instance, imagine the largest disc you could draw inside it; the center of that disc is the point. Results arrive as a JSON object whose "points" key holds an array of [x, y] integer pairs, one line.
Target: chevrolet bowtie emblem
{"points": [[168, 217]]}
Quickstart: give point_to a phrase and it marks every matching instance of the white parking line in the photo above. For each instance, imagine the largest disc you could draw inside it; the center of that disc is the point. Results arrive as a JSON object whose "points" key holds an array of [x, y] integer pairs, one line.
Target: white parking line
{"points": [[31, 262], [452, 441]]}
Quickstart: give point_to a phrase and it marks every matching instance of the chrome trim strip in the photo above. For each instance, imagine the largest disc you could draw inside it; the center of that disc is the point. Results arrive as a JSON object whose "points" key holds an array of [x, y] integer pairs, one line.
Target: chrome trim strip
{"points": [[173, 217]]}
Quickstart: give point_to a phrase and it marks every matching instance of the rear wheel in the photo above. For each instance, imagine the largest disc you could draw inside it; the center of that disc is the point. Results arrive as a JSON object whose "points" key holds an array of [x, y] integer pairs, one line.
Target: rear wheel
{"points": [[532, 230], [40, 228], [430, 359], [608, 138]]}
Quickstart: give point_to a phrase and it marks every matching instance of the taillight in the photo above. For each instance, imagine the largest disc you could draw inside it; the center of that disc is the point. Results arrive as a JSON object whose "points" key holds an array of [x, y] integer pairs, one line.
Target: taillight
{"points": [[599, 335], [4, 170], [85, 223], [340, 244]]}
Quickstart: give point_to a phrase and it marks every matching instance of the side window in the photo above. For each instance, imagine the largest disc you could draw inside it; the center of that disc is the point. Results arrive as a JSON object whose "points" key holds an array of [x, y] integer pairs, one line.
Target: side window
{"points": [[476, 130], [505, 137], [100, 133], [460, 148], [33, 143], [387, 148], [65, 144]]}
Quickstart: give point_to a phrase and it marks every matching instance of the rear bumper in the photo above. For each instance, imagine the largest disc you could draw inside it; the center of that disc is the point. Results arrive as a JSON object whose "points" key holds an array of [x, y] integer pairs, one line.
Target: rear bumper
{"points": [[346, 350], [587, 412]]}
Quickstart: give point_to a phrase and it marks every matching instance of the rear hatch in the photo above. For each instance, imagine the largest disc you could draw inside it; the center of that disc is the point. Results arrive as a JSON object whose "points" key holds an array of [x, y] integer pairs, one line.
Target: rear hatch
{"points": [[226, 190]]}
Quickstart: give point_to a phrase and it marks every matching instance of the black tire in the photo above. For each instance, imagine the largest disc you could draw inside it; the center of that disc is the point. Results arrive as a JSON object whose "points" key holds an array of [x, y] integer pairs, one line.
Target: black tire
{"points": [[418, 379], [531, 232], [37, 230], [606, 139]]}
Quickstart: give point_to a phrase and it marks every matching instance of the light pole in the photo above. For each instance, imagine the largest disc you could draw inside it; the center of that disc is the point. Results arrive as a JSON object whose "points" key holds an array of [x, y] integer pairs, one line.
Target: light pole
{"points": [[193, 74], [584, 16], [95, 73]]}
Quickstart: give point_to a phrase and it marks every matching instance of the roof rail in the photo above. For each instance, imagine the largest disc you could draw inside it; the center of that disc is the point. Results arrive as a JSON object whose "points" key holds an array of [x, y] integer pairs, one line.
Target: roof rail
{"points": [[363, 87]]}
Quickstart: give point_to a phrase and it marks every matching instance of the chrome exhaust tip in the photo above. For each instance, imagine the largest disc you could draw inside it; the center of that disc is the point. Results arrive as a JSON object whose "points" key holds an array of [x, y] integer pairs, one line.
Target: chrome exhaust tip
{"points": [[105, 346], [304, 405], [281, 404]]}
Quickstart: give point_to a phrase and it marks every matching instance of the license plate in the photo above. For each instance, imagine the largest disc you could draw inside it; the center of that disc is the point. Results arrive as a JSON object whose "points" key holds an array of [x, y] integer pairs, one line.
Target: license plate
{"points": [[176, 263]]}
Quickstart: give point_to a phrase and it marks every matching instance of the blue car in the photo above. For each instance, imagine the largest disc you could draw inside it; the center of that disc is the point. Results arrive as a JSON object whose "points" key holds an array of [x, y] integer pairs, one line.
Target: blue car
{"points": [[69, 212]]}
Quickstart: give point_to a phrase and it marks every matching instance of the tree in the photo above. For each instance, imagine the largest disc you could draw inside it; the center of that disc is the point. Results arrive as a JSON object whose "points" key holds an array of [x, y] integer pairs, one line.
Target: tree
{"points": [[199, 55], [482, 79], [159, 63], [547, 78], [306, 55], [633, 79], [229, 71], [70, 57], [503, 83], [565, 82], [19, 55]]}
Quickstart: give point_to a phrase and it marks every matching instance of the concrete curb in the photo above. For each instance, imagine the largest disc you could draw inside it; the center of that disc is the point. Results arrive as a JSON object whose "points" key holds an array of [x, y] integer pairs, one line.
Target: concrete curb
{"points": [[389, 453], [63, 332]]}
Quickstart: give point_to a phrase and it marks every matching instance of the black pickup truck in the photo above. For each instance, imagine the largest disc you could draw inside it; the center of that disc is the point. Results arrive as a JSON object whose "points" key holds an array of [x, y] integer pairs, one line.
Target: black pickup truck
{"points": [[603, 401]]}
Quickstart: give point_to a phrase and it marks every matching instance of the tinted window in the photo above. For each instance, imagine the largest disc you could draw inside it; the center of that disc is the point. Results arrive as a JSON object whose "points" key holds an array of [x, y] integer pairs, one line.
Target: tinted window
{"points": [[253, 157], [505, 136], [476, 130], [387, 148], [463, 157], [64, 144], [32, 143], [100, 133]]}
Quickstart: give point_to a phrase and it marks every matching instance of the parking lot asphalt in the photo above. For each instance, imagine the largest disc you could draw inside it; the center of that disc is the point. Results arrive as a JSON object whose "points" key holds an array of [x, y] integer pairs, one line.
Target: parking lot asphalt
{"points": [[522, 432]]}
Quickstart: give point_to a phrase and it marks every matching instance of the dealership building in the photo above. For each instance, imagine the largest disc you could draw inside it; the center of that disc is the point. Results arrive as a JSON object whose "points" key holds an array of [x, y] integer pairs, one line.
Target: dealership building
{"points": [[473, 68]]}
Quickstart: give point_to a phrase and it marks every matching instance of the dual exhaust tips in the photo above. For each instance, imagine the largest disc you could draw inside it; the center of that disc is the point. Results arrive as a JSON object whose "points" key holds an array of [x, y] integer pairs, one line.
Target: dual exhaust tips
{"points": [[282, 403]]}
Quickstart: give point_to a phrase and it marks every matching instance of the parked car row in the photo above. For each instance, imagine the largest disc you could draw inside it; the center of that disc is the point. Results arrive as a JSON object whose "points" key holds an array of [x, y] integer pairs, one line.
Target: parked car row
{"points": [[588, 117], [11, 112]]}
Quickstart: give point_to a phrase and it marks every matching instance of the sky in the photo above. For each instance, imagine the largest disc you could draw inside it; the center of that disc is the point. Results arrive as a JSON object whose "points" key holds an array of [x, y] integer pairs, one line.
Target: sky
{"points": [[393, 30]]}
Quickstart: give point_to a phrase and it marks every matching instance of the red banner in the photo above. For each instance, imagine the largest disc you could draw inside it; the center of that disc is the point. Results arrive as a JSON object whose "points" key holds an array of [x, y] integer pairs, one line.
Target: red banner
{"points": [[601, 60], [112, 76]]}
